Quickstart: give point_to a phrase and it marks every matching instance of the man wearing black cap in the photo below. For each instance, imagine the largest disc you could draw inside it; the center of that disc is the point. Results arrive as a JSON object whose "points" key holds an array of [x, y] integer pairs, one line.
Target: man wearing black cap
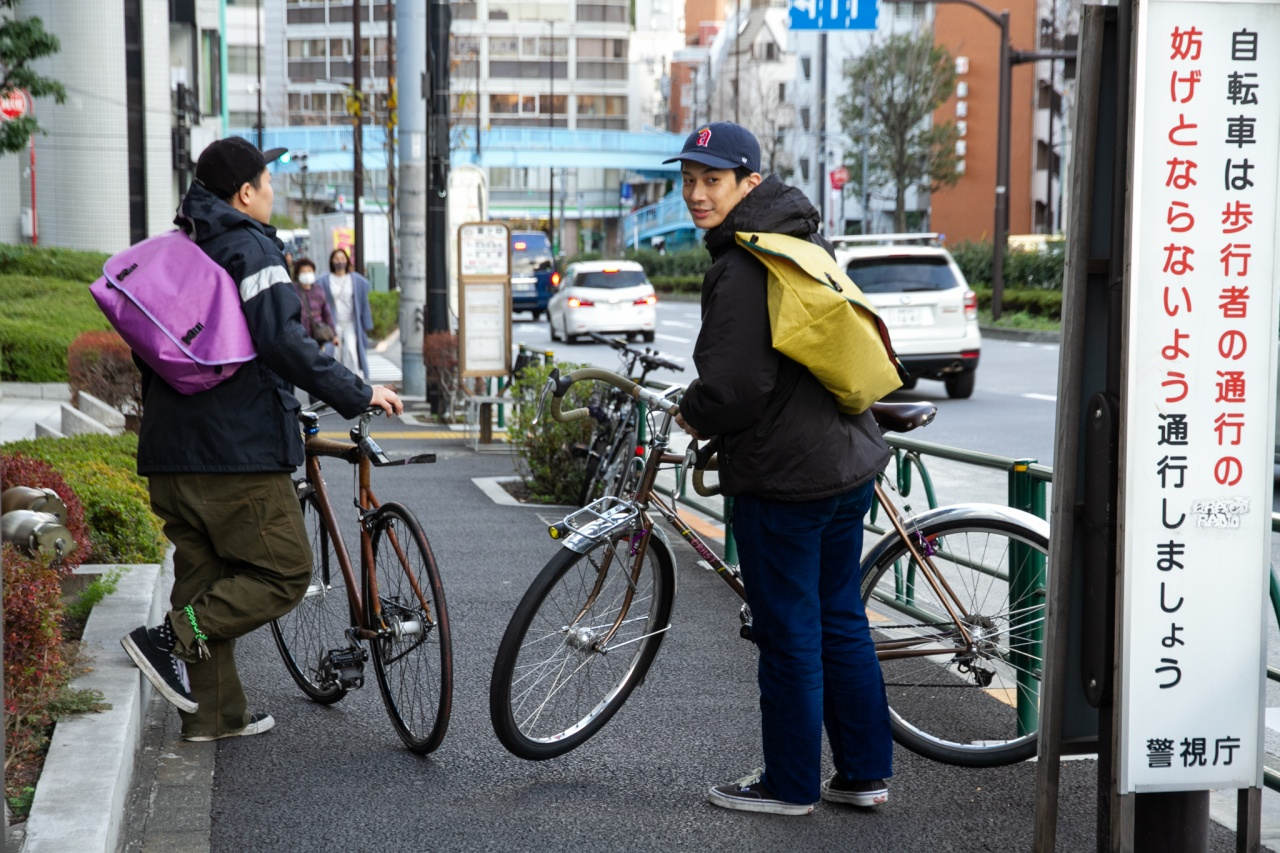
{"points": [[220, 462], [801, 474]]}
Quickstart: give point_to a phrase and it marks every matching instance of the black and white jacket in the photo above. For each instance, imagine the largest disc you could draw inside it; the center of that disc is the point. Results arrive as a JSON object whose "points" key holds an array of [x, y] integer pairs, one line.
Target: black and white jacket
{"points": [[248, 423]]}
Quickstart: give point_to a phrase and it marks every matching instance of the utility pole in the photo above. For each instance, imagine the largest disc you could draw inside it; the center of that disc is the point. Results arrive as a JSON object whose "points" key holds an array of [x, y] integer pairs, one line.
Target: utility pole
{"points": [[551, 123], [257, 28], [411, 53], [437, 176], [391, 150], [822, 128], [737, 60], [357, 147]]}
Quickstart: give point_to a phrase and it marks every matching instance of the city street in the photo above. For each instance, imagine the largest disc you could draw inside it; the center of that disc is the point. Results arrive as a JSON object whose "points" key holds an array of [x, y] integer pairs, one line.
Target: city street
{"points": [[337, 778]]}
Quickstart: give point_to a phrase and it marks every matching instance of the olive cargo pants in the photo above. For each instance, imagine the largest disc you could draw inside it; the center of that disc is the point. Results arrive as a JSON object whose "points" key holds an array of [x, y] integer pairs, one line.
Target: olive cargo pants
{"points": [[241, 559]]}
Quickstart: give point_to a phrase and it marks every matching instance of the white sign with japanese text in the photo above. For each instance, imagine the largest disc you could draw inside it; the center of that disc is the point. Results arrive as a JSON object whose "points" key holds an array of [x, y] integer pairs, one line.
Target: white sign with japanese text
{"points": [[484, 309], [1199, 394]]}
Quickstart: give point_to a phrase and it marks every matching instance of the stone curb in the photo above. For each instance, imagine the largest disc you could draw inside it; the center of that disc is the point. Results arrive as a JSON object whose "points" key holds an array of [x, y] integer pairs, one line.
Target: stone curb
{"points": [[1035, 335], [79, 802], [59, 391]]}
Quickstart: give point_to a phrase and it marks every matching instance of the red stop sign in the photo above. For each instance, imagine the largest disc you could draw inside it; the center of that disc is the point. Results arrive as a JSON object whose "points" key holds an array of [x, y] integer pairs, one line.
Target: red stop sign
{"points": [[839, 177], [13, 104]]}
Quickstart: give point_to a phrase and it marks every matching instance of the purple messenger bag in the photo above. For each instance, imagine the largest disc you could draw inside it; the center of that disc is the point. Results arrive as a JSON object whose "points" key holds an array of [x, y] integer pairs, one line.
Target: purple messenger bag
{"points": [[177, 309]]}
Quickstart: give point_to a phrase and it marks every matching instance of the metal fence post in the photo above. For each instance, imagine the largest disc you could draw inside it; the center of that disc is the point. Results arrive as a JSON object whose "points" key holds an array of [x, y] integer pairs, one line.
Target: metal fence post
{"points": [[730, 544], [1026, 584]]}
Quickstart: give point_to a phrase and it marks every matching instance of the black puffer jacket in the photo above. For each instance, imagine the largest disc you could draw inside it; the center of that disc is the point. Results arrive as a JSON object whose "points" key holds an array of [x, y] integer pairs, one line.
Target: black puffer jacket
{"points": [[780, 432], [248, 423]]}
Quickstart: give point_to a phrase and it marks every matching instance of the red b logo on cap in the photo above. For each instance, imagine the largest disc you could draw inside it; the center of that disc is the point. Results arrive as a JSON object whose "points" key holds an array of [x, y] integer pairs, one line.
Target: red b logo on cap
{"points": [[704, 137]]}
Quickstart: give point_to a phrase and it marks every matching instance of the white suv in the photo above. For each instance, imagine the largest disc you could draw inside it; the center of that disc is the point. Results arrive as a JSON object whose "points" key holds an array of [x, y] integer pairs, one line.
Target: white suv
{"points": [[919, 291]]}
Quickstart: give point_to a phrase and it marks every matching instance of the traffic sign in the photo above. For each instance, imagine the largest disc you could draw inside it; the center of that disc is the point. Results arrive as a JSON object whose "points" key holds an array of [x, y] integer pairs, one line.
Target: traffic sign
{"points": [[13, 104], [832, 15], [839, 177]]}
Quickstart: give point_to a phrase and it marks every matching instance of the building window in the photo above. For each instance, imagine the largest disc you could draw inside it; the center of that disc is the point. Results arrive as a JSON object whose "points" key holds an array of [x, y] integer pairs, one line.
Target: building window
{"points": [[804, 118], [504, 103], [463, 11], [602, 105], [307, 48], [242, 59], [804, 168], [782, 93], [805, 63], [771, 52], [608, 12]]}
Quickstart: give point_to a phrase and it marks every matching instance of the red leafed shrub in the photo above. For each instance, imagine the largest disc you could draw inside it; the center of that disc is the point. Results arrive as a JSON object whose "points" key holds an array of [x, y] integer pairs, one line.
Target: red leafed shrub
{"points": [[101, 363], [34, 664]]}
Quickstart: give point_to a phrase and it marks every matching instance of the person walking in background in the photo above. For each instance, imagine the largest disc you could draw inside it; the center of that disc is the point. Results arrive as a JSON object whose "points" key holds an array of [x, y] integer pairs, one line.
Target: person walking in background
{"points": [[348, 295], [220, 462], [802, 476], [317, 319]]}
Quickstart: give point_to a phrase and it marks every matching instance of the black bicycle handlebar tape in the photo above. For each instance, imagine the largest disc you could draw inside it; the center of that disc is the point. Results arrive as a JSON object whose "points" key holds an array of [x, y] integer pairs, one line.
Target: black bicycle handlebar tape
{"points": [[704, 459], [622, 383]]}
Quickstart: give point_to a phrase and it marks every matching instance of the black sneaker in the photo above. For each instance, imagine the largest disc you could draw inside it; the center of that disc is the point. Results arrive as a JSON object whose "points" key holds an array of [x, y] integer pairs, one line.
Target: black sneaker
{"points": [[748, 794], [860, 792], [167, 673], [258, 723]]}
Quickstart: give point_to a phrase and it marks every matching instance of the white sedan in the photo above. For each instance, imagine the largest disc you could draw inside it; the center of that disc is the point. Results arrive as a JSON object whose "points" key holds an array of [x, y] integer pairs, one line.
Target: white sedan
{"points": [[606, 297]]}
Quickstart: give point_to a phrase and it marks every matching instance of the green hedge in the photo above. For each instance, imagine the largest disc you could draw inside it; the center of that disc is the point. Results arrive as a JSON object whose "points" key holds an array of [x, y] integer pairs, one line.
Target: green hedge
{"points": [[385, 305], [681, 263], [70, 264], [42, 315], [1042, 303], [677, 283], [1022, 269], [101, 470]]}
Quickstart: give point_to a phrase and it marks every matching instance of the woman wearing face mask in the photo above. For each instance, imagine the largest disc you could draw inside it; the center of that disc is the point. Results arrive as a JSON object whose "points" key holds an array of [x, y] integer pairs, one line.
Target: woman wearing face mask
{"points": [[315, 308], [348, 294]]}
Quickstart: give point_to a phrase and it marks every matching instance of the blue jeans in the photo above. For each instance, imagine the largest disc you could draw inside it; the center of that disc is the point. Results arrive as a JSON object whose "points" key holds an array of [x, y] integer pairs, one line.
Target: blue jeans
{"points": [[818, 663]]}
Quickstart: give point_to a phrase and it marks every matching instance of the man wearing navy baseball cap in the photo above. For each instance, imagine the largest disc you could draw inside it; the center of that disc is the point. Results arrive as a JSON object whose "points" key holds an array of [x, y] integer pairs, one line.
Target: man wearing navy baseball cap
{"points": [[802, 476]]}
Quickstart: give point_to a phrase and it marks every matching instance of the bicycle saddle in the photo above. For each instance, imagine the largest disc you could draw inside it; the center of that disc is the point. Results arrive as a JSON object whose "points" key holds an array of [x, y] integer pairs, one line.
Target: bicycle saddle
{"points": [[903, 417]]}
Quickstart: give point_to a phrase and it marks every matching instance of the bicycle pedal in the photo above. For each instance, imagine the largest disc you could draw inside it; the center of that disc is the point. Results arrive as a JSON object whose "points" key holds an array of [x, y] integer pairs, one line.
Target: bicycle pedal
{"points": [[347, 666]]}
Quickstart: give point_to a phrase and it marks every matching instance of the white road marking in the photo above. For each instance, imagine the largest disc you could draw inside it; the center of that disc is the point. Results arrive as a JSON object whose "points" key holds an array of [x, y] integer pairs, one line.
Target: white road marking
{"points": [[678, 323], [1048, 398], [671, 338]]}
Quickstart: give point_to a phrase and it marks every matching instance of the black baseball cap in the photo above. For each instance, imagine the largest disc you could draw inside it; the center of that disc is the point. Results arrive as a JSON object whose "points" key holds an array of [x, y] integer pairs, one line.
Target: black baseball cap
{"points": [[721, 145], [228, 164]]}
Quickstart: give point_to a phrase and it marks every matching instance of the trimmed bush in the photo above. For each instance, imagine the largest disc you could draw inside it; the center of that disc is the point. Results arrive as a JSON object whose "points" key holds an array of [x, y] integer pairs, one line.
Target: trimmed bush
{"points": [[385, 307], [1042, 303], [41, 317], [101, 363], [545, 457], [1022, 269], [677, 283], [101, 470], [71, 264]]}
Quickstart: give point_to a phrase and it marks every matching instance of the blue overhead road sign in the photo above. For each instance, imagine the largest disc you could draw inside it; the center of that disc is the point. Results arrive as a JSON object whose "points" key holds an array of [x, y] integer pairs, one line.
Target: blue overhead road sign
{"points": [[833, 15]]}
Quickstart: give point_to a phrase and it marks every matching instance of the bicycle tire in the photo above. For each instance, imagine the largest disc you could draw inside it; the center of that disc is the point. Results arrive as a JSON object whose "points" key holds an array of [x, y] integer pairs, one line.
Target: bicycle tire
{"points": [[413, 656], [305, 635], [537, 718], [612, 474], [601, 442], [963, 708]]}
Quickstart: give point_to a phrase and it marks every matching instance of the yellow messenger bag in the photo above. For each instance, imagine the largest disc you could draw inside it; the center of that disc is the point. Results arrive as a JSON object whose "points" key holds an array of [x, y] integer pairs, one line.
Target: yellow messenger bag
{"points": [[819, 318]]}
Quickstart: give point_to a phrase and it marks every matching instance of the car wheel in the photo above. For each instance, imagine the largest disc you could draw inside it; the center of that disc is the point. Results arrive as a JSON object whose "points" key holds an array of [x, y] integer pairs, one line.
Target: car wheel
{"points": [[960, 386], [910, 382], [568, 338], [551, 327], [536, 315], [648, 337]]}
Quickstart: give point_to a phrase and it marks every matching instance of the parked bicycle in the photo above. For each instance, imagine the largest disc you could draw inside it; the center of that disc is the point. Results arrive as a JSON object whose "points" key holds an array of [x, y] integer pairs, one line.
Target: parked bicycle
{"points": [[614, 440], [396, 605], [955, 596]]}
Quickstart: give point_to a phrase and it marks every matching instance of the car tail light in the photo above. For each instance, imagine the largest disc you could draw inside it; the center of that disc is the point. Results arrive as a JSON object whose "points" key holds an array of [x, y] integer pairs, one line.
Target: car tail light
{"points": [[647, 300], [609, 270], [578, 302], [970, 305], [555, 279], [519, 245]]}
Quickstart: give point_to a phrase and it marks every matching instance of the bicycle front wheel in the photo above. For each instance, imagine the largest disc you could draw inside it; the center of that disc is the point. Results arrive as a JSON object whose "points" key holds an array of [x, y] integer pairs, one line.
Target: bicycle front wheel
{"points": [[412, 654], [307, 634], [581, 639], [975, 703]]}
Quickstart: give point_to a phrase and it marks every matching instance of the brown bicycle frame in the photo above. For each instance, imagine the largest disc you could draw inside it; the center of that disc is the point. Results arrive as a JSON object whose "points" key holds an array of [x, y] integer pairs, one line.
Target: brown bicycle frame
{"points": [[367, 502]]}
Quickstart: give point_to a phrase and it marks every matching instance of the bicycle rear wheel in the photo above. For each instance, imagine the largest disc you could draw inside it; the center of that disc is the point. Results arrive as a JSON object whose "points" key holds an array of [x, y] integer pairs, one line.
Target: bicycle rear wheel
{"points": [[974, 706], [553, 685], [306, 634], [413, 654]]}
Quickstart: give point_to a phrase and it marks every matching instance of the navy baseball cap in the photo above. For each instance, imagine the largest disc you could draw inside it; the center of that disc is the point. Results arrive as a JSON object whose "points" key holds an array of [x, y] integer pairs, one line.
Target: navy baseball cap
{"points": [[721, 145], [228, 164]]}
